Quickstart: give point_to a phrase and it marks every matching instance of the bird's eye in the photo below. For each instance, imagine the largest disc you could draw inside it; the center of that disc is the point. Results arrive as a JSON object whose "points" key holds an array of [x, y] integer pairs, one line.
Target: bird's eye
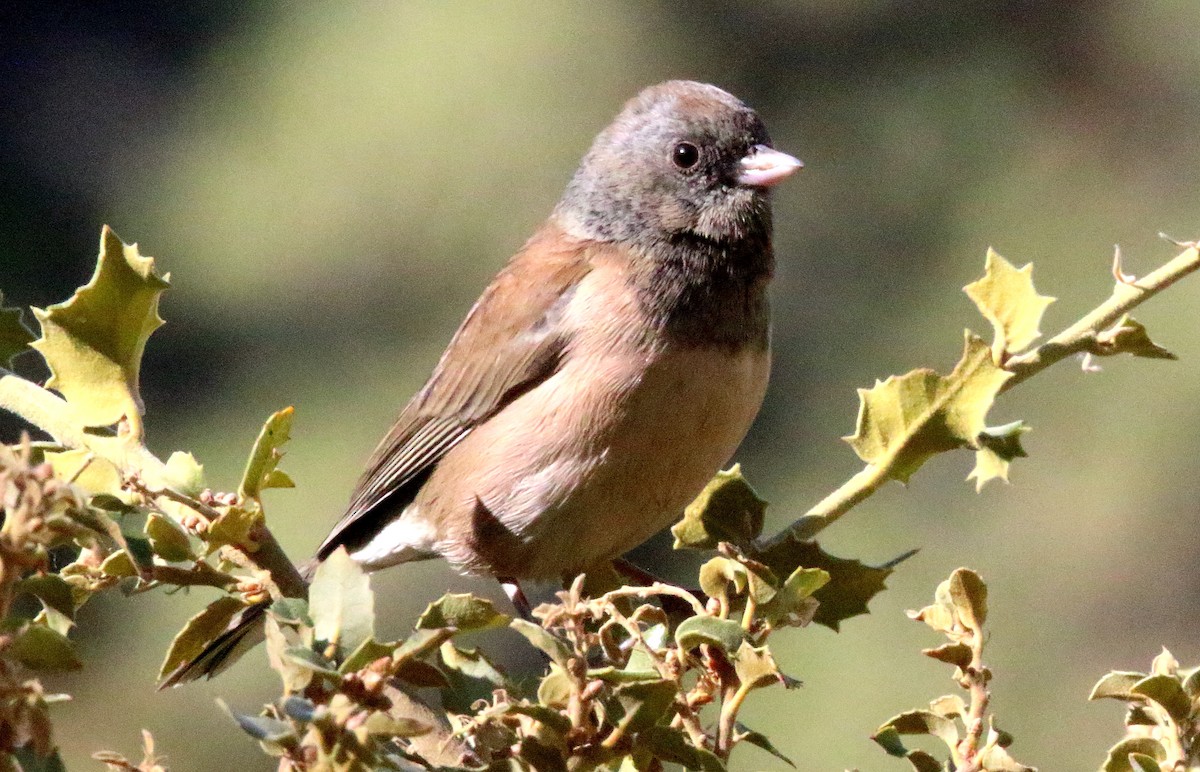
{"points": [[685, 155]]}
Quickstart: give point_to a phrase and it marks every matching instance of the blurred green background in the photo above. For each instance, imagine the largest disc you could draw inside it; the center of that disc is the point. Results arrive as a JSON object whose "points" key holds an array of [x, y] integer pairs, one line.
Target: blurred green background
{"points": [[332, 184]]}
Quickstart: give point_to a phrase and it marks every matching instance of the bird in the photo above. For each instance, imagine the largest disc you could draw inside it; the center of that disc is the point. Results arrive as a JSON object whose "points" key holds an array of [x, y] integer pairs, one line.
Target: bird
{"points": [[604, 375]]}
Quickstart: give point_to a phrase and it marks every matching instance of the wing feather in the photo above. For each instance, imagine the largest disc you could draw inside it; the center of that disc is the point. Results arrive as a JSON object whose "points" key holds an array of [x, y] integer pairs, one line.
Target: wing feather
{"points": [[508, 343]]}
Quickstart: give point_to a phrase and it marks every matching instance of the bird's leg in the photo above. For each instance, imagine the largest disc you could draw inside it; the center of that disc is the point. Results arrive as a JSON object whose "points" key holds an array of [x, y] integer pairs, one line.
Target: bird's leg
{"points": [[512, 588]]}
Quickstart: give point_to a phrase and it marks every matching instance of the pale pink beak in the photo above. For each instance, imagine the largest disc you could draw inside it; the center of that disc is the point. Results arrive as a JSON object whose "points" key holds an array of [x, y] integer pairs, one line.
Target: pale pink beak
{"points": [[765, 166]]}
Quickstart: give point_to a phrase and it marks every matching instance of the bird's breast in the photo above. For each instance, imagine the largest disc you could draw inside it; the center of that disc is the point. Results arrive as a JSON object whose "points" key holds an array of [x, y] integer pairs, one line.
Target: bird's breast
{"points": [[605, 452]]}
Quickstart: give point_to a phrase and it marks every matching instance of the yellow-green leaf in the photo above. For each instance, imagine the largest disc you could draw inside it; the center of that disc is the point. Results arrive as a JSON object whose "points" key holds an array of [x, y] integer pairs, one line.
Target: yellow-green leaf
{"points": [[261, 472], [756, 667], [998, 447], [727, 509], [87, 470], [1119, 755], [852, 584], [37, 647], [463, 611], [341, 603], [15, 337], [905, 420], [1129, 336], [168, 540], [93, 342], [234, 528], [199, 631], [1006, 297]]}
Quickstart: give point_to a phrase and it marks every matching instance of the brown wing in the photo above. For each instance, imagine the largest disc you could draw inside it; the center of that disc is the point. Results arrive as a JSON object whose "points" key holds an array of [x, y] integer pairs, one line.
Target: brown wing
{"points": [[509, 342]]}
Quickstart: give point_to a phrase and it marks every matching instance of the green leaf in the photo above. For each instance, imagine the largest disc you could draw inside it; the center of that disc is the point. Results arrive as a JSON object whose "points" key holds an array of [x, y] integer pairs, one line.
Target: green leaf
{"points": [[86, 470], [793, 605], [1117, 685], [52, 590], [168, 540], [958, 654], [969, 595], [727, 509], [462, 611], [311, 660], [554, 647], [37, 647], [923, 722], [421, 674], [1006, 297], [262, 728], [260, 467], [759, 740], [672, 745], [341, 603], [469, 676], [380, 724], [119, 565], [613, 675], [725, 634], [1119, 755], [15, 337], [1140, 762], [93, 342], [1129, 336], [1191, 682], [1168, 692], [645, 703], [548, 716], [295, 677], [554, 691], [541, 756], [199, 631], [950, 706], [182, 473], [718, 574], [905, 420], [291, 611], [366, 653], [851, 583], [756, 667], [234, 527], [997, 448]]}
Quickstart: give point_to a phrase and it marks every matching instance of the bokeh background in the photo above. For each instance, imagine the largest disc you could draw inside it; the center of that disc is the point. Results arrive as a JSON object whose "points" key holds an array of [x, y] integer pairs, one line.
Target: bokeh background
{"points": [[332, 184]]}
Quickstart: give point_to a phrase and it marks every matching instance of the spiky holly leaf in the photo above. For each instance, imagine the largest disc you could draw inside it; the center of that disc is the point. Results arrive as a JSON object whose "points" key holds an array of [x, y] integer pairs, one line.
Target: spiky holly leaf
{"points": [[93, 342], [262, 467], [851, 583], [15, 337], [1006, 297], [998, 446], [1129, 336], [760, 740], [905, 420], [727, 509]]}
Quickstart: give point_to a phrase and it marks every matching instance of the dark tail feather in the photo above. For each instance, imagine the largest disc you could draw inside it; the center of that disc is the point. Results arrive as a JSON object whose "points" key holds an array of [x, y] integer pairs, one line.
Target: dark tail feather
{"points": [[245, 631]]}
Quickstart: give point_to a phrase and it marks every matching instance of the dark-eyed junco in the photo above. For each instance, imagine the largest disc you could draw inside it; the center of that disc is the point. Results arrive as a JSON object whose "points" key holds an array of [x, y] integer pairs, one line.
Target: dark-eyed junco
{"points": [[603, 377]]}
